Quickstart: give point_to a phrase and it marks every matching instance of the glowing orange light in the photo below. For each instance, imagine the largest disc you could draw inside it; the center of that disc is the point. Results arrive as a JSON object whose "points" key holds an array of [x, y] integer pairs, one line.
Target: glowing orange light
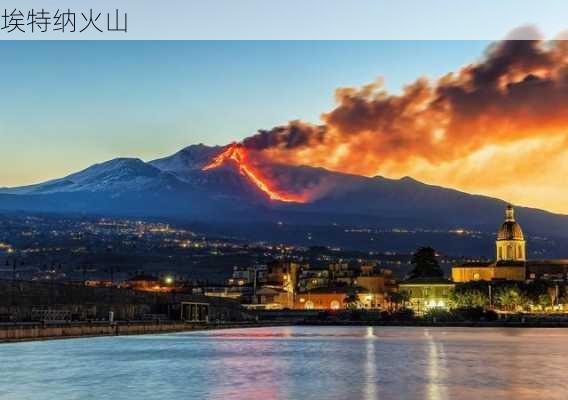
{"points": [[237, 153]]}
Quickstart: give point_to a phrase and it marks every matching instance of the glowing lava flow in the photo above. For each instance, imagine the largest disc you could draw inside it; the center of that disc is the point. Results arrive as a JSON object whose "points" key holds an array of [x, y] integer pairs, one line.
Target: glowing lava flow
{"points": [[237, 153]]}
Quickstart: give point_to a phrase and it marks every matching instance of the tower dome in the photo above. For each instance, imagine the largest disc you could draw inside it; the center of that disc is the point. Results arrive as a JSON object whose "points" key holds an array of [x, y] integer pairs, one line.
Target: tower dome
{"points": [[510, 239], [510, 229]]}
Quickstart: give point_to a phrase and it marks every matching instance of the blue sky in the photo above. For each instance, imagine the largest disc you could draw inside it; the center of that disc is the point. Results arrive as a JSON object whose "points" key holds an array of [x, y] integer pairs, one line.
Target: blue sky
{"points": [[66, 105]]}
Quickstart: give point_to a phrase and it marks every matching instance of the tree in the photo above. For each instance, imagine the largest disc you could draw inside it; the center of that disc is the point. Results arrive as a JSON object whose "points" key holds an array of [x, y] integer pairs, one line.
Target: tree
{"points": [[544, 300], [470, 298], [425, 264], [351, 301], [538, 293], [510, 298], [397, 300]]}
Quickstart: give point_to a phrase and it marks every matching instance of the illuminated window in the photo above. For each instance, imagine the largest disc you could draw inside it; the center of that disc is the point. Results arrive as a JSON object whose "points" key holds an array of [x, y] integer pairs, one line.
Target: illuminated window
{"points": [[476, 276], [309, 305], [335, 305]]}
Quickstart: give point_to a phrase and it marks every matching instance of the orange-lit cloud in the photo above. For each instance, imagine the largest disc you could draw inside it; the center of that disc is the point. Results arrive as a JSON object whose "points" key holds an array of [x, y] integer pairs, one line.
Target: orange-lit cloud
{"points": [[498, 127]]}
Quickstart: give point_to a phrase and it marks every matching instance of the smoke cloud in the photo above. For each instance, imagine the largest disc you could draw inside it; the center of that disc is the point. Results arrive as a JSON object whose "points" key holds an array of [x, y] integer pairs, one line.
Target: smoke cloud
{"points": [[498, 126]]}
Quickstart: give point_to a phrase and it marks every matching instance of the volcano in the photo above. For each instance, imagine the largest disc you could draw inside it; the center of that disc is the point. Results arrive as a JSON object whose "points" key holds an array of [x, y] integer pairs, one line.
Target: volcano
{"points": [[229, 184], [237, 154]]}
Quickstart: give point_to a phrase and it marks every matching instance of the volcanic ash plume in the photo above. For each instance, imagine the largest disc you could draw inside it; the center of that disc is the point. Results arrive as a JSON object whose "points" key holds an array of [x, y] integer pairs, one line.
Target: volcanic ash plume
{"points": [[486, 128]]}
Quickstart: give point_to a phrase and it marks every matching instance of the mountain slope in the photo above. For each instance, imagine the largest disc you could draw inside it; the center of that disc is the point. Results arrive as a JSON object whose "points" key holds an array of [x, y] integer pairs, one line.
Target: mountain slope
{"points": [[188, 159], [176, 186], [116, 176]]}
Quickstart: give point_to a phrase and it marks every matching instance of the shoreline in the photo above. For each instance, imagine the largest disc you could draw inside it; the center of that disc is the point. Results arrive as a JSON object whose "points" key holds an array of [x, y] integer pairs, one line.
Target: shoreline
{"points": [[28, 332], [442, 324]]}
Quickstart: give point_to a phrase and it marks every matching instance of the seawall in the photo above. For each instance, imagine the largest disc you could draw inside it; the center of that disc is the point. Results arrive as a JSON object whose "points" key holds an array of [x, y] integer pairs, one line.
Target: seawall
{"points": [[18, 332]]}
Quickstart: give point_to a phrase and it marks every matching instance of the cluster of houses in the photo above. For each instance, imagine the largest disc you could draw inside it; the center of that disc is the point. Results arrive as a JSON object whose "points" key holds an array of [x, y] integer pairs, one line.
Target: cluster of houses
{"points": [[294, 285]]}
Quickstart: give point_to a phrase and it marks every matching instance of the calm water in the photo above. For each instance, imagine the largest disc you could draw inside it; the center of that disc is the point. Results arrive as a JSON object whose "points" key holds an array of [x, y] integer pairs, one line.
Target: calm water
{"points": [[294, 363]]}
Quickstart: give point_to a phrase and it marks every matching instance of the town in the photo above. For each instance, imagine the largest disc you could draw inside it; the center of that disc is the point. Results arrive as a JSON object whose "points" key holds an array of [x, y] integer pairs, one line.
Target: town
{"points": [[119, 262]]}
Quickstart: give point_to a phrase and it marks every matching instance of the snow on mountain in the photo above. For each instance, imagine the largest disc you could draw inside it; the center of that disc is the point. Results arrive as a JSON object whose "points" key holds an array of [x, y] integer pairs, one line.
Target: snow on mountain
{"points": [[117, 175], [189, 159]]}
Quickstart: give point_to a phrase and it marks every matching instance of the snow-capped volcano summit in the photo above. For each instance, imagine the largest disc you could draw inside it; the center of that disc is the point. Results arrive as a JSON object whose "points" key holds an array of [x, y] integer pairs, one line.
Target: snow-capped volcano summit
{"points": [[190, 158]]}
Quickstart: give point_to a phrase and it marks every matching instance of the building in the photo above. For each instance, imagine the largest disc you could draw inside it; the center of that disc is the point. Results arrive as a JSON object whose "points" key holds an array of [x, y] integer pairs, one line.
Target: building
{"points": [[247, 275], [511, 262], [235, 292], [427, 293], [337, 298], [271, 298], [313, 278], [142, 283], [284, 274], [556, 270], [98, 283], [376, 280], [510, 243], [489, 271], [293, 285]]}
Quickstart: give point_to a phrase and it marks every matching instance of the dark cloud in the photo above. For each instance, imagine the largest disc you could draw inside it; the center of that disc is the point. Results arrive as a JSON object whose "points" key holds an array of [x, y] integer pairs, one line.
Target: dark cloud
{"points": [[518, 90], [295, 134]]}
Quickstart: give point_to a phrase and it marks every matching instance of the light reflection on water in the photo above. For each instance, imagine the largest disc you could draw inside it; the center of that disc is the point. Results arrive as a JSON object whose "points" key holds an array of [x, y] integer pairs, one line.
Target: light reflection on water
{"points": [[335, 363]]}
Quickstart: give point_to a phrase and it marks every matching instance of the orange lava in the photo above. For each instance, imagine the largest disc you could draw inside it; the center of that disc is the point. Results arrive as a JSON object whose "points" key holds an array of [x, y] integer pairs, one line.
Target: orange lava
{"points": [[237, 153]]}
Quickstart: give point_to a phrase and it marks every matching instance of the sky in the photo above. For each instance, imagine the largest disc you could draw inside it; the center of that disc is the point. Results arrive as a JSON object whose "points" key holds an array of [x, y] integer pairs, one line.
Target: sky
{"points": [[315, 19], [67, 105]]}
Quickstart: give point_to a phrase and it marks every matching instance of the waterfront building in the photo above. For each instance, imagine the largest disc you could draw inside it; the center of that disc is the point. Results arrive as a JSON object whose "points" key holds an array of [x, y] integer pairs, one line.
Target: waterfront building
{"points": [[511, 262], [488, 271], [338, 298], [270, 298], [426, 293], [293, 285]]}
